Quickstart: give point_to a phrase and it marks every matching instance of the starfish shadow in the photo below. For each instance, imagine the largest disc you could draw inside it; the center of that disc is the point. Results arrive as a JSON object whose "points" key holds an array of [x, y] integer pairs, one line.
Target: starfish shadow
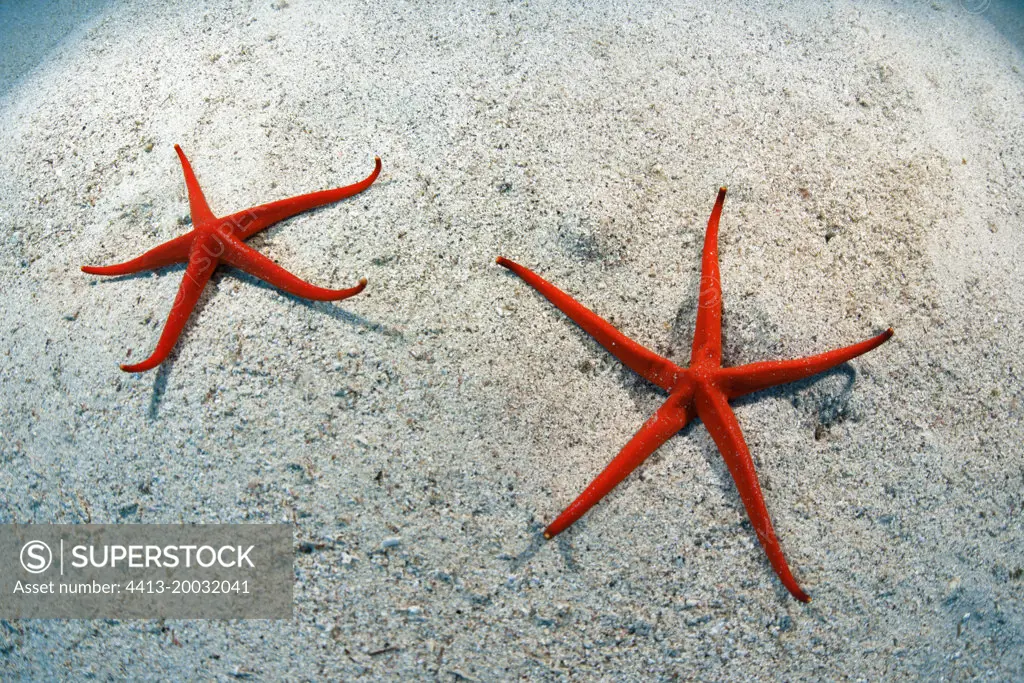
{"points": [[326, 307], [536, 543], [160, 387], [830, 405]]}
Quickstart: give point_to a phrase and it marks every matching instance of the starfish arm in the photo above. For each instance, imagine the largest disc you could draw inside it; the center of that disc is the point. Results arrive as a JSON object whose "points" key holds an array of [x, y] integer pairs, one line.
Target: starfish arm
{"points": [[197, 274], [649, 365], [672, 416], [747, 379], [714, 411], [247, 223], [198, 207], [173, 251], [707, 337], [236, 253]]}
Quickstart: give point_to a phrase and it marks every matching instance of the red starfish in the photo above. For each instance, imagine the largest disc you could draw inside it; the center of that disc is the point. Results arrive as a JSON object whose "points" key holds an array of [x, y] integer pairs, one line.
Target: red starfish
{"points": [[703, 390], [213, 241]]}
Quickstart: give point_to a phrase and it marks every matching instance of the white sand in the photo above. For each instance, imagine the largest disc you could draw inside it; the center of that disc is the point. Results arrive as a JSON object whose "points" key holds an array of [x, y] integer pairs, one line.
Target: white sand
{"points": [[875, 158]]}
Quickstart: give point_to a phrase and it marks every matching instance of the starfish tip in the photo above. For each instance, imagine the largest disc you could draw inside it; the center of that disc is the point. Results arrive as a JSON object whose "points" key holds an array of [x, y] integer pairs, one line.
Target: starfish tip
{"points": [[363, 281], [547, 536]]}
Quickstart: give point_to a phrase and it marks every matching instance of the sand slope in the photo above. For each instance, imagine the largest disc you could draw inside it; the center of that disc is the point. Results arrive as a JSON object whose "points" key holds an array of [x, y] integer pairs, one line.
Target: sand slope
{"points": [[875, 157]]}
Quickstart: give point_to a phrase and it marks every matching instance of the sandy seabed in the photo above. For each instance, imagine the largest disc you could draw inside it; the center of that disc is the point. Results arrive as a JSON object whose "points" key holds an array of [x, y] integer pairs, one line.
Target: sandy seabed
{"points": [[874, 154]]}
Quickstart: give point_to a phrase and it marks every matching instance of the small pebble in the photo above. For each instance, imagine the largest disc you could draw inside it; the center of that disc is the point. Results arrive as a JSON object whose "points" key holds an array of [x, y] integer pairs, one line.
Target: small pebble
{"points": [[390, 542]]}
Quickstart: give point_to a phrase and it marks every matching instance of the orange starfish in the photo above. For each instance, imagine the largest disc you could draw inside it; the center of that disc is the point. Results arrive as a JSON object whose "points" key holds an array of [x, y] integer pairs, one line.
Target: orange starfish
{"points": [[702, 390], [213, 241]]}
